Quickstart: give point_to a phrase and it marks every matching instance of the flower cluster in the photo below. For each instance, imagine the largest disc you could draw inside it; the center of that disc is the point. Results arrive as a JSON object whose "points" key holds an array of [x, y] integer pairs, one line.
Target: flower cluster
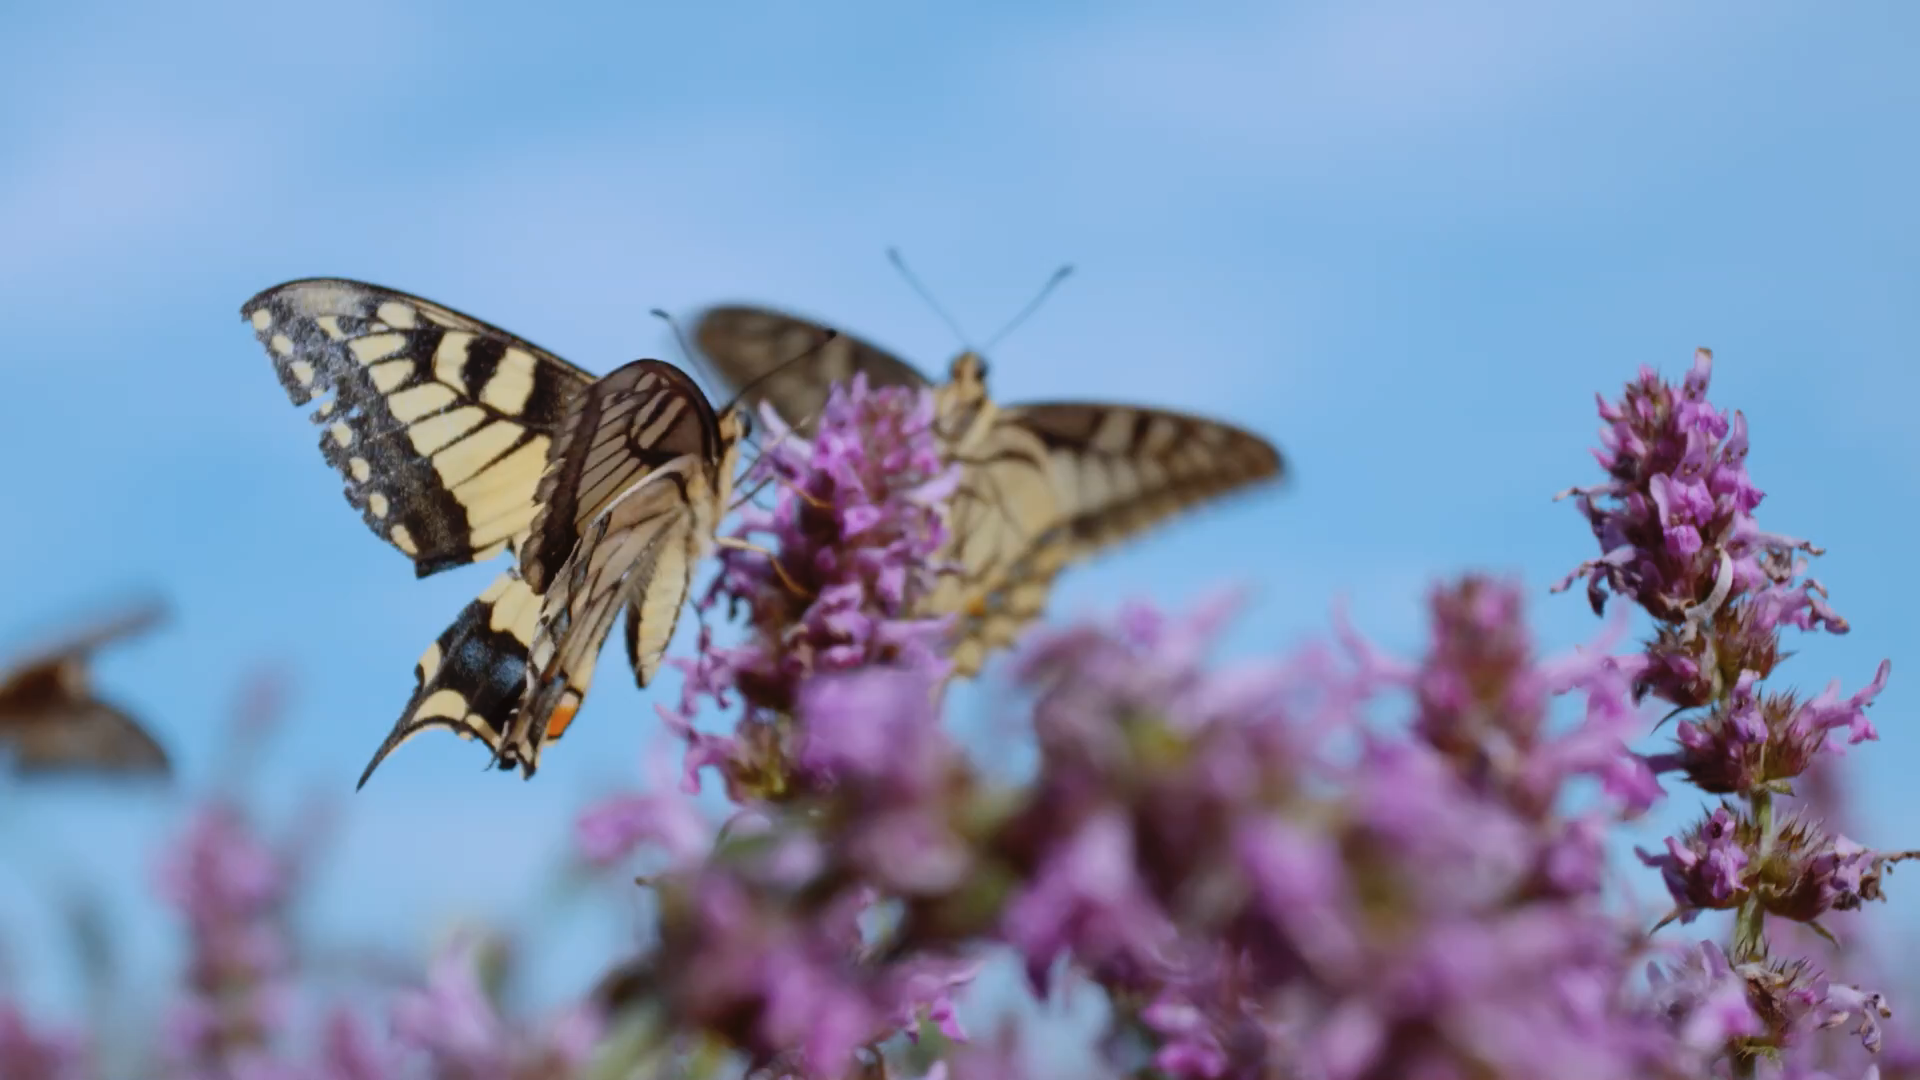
{"points": [[857, 519], [456, 1025], [848, 787], [231, 889], [1334, 865], [1258, 899], [1678, 538]]}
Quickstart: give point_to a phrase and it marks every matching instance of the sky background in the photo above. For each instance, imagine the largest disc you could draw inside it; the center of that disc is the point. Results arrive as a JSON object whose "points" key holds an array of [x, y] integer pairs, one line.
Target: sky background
{"points": [[1406, 241]]}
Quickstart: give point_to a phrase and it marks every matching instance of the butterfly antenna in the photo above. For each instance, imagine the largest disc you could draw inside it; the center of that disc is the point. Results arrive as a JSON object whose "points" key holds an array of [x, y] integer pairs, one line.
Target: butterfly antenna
{"points": [[698, 362], [827, 334], [900, 264], [1033, 305]]}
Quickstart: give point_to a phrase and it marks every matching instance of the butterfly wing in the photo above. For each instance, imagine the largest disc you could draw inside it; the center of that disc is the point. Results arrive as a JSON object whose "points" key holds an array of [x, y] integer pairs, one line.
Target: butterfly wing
{"points": [[83, 736], [472, 679], [628, 502], [438, 422], [755, 349], [638, 420], [1051, 484], [52, 722], [1120, 469]]}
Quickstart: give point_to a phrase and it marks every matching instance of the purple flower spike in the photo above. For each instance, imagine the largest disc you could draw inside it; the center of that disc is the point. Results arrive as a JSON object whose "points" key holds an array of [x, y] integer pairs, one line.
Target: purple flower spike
{"points": [[453, 1023], [1680, 540], [857, 519], [1678, 537], [232, 891]]}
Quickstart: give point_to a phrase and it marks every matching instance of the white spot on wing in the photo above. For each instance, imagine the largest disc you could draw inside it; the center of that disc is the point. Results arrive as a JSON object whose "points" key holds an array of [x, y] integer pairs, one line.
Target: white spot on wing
{"points": [[403, 539], [262, 318], [395, 314]]}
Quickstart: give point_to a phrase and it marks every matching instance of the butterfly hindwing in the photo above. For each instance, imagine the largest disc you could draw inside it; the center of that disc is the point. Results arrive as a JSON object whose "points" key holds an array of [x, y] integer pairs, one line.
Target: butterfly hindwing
{"points": [[637, 481], [89, 736], [1120, 469], [754, 350], [1051, 484], [438, 422], [472, 679]]}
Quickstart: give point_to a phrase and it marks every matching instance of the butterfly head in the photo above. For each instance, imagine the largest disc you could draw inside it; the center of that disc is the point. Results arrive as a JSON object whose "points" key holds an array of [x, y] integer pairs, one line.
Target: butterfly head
{"points": [[735, 425], [967, 377]]}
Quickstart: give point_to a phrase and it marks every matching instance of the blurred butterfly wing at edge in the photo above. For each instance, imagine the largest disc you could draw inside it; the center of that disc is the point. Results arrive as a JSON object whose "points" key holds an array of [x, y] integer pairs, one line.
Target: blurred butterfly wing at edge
{"points": [[53, 724]]}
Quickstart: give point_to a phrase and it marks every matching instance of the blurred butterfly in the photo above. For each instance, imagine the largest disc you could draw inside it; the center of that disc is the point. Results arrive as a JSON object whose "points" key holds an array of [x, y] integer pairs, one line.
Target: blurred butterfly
{"points": [[52, 723], [1043, 484], [452, 436]]}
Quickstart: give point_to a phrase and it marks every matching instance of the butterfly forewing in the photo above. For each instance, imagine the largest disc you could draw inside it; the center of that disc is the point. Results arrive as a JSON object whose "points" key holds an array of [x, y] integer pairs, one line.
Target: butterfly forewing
{"points": [[438, 422], [441, 425], [1111, 472], [1119, 469], [639, 477], [755, 349], [51, 722]]}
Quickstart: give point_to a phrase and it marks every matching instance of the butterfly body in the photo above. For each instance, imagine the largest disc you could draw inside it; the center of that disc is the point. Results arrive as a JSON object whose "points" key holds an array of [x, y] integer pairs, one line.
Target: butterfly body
{"points": [[452, 435], [1042, 485]]}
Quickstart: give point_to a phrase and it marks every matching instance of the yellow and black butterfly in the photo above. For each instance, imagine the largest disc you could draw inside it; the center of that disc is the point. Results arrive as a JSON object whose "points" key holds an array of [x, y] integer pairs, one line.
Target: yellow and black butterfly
{"points": [[52, 723], [1042, 484], [440, 424], [459, 441]]}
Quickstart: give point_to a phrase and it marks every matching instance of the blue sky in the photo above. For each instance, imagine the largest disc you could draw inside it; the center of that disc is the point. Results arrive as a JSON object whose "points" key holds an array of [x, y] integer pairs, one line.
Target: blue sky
{"points": [[1407, 241]]}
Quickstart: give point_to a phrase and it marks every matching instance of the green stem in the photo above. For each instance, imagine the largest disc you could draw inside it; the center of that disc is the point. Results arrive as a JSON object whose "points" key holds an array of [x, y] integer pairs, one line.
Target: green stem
{"points": [[1749, 940]]}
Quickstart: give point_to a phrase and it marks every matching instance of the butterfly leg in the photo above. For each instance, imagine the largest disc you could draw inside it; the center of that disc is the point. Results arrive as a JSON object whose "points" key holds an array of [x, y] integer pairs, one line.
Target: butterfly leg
{"points": [[741, 545]]}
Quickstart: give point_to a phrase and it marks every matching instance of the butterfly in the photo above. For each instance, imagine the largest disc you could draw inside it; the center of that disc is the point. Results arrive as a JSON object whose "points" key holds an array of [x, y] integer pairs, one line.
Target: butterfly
{"points": [[1043, 485], [459, 441], [51, 722], [439, 424]]}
